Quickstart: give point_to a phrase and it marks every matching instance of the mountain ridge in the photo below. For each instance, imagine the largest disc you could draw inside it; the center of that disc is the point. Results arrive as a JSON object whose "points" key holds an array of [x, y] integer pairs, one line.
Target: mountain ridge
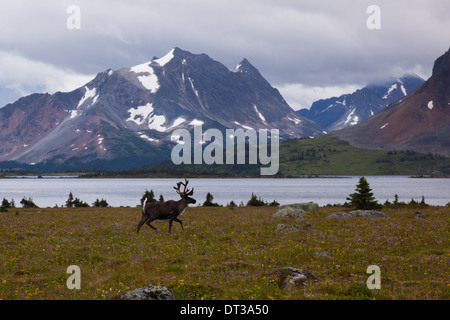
{"points": [[129, 113], [420, 121], [349, 109]]}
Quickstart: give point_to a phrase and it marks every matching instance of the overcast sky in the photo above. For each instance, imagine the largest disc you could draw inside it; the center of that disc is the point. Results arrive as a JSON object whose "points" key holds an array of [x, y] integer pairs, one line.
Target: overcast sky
{"points": [[308, 49]]}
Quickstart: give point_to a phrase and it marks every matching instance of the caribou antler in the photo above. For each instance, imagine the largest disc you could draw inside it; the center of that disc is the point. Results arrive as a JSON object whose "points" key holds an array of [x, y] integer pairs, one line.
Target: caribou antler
{"points": [[186, 192]]}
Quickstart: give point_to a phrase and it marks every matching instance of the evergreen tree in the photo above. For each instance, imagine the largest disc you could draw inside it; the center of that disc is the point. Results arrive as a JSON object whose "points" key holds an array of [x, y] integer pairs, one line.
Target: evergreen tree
{"points": [[28, 203], [363, 198], [254, 201], [5, 204], [149, 195], [100, 203], [209, 199], [69, 202]]}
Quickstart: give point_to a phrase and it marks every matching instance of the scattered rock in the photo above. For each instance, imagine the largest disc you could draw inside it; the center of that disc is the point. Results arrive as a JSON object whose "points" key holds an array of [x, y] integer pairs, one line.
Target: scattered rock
{"points": [[284, 227], [359, 213], [296, 210], [148, 293], [324, 254], [289, 277], [336, 266], [290, 212], [307, 206], [418, 215]]}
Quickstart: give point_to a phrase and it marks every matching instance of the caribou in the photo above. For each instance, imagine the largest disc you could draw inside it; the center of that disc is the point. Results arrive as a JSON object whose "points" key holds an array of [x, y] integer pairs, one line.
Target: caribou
{"points": [[168, 210]]}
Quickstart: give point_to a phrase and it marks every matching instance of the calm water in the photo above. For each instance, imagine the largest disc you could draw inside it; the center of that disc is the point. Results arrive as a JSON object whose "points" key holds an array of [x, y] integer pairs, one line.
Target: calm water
{"points": [[49, 192]]}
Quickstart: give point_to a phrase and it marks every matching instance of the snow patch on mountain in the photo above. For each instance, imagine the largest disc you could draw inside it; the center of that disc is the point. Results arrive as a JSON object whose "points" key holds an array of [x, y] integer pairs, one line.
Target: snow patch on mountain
{"points": [[259, 114], [89, 93], [352, 119], [140, 114], [177, 122], [430, 105], [402, 87], [391, 88], [193, 87], [147, 76], [156, 123], [146, 137], [144, 114], [166, 59], [196, 122], [243, 125], [295, 120], [237, 68], [73, 114]]}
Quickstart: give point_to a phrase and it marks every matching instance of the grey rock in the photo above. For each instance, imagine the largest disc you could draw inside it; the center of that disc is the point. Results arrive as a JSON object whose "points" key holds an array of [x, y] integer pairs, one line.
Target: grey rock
{"points": [[307, 206], [324, 254], [359, 214], [296, 210], [290, 277], [418, 215], [284, 227], [148, 293]]}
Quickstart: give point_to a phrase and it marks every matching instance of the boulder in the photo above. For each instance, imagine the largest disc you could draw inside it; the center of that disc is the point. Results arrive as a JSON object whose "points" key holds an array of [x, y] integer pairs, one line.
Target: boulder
{"points": [[290, 212], [296, 210], [359, 214], [148, 293], [307, 206], [289, 277]]}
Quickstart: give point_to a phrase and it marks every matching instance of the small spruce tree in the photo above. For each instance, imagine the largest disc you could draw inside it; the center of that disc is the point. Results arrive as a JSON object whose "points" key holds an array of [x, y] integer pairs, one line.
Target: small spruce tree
{"points": [[209, 199], [149, 195], [363, 198]]}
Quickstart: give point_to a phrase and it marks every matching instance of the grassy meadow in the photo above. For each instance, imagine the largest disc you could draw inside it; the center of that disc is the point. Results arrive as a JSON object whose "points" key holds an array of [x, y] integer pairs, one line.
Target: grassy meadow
{"points": [[223, 253]]}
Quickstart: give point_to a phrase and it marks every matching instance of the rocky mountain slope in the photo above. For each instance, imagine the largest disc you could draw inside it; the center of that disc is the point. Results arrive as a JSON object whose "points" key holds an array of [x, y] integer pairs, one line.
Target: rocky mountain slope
{"points": [[420, 122], [350, 109], [126, 116]]}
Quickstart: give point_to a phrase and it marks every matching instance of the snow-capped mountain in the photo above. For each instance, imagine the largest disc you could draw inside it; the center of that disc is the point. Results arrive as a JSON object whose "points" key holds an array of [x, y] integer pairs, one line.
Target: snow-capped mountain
{"points": [[127, 116], [420, 122], [350, 109]]}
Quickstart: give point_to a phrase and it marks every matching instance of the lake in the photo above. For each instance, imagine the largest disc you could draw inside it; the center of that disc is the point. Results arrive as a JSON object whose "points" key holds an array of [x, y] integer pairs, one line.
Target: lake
{"points": [[51, 191]]}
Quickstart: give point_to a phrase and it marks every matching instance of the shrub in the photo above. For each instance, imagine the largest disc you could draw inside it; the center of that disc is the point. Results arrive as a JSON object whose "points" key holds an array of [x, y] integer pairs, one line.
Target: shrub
{"points": [[100, 203], [5, 204], [232, 204], [208, 202], [274, 204], [254, 201], [71, 202], [358, 291], [28, 203]]}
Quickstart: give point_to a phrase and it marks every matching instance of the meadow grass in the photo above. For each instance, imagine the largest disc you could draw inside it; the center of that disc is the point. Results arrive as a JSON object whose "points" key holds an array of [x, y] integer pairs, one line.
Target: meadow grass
{"points": [[223, 253]]}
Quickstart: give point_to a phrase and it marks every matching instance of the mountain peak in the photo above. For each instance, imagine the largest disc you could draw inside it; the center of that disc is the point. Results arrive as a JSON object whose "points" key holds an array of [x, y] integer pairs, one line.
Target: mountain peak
{"points": [[442, 63], [126, 117], [419, 121], [245, 67]]}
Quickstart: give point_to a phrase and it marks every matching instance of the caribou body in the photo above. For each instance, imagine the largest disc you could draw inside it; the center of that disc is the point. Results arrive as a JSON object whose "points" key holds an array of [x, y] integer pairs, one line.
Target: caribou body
{"points": [[168, 210]]}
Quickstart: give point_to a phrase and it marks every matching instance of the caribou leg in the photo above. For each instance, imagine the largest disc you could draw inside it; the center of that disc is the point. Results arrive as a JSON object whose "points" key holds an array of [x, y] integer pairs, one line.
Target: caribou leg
{"points": [[180, 221], [143, 220], [148, 223]]}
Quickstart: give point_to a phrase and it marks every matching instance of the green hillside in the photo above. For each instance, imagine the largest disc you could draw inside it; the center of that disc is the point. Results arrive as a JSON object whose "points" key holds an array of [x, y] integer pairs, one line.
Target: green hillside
{"points": [[327, 155]]}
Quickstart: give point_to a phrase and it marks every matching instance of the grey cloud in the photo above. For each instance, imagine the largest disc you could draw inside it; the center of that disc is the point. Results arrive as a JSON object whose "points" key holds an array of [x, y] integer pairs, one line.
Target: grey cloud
{"points": [[312, 43]]}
